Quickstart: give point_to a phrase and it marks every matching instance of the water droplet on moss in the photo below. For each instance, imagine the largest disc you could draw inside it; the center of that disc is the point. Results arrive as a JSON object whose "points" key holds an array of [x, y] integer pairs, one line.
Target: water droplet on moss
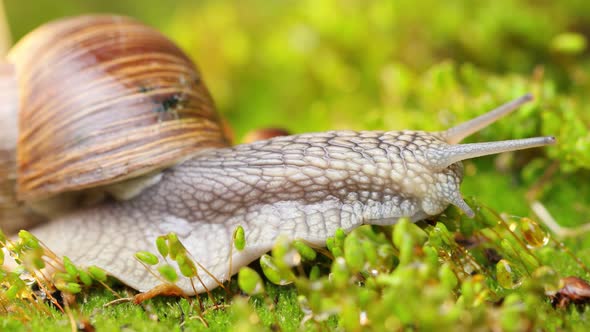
{"points": [[507, 276], [534, 235]]}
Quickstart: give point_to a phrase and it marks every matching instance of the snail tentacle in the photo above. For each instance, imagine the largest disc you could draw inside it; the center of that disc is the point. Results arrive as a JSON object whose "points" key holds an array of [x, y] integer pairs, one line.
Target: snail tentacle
{"points": [[457, 133], [443, 157]]}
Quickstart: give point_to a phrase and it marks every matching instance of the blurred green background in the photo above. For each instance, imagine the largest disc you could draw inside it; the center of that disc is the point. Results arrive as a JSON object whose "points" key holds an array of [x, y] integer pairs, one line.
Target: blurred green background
{"points": [[311, 65], [315, 65]]}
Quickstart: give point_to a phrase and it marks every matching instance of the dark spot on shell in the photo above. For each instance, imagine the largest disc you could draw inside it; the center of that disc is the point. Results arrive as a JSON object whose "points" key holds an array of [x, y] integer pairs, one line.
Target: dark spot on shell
{"points": [[144, 89], [170, 103]]}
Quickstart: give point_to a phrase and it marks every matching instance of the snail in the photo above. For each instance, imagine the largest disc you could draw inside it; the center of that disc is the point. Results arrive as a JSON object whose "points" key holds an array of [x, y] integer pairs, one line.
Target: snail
{"points": [[111, 108]]}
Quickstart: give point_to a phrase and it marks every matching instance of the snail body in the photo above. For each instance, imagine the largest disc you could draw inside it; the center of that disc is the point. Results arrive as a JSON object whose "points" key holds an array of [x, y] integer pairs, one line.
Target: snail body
{"points": [[301, 186]]}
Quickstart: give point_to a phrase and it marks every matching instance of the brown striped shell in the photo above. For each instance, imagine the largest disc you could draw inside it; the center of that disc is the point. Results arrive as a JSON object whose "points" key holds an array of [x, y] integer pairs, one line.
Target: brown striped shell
{"points": [[103, 99], [13, 216]]}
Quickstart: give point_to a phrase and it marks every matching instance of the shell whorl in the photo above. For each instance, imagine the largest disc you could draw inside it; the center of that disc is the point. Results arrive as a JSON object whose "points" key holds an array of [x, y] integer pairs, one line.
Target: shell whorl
{"points": [[102, 99]]}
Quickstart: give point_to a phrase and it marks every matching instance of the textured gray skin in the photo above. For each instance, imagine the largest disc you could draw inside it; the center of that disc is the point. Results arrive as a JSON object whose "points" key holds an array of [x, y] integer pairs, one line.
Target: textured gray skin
{"points": [[303, 187]]}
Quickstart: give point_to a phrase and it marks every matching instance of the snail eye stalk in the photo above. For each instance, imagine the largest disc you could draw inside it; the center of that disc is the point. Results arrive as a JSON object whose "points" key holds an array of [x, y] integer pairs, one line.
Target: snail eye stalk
{"points": [[458, 133], [448, 155]]}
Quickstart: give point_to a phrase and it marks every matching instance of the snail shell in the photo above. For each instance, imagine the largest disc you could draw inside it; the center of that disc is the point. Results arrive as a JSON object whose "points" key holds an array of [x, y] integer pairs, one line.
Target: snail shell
{"points": [[103, 99]]}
